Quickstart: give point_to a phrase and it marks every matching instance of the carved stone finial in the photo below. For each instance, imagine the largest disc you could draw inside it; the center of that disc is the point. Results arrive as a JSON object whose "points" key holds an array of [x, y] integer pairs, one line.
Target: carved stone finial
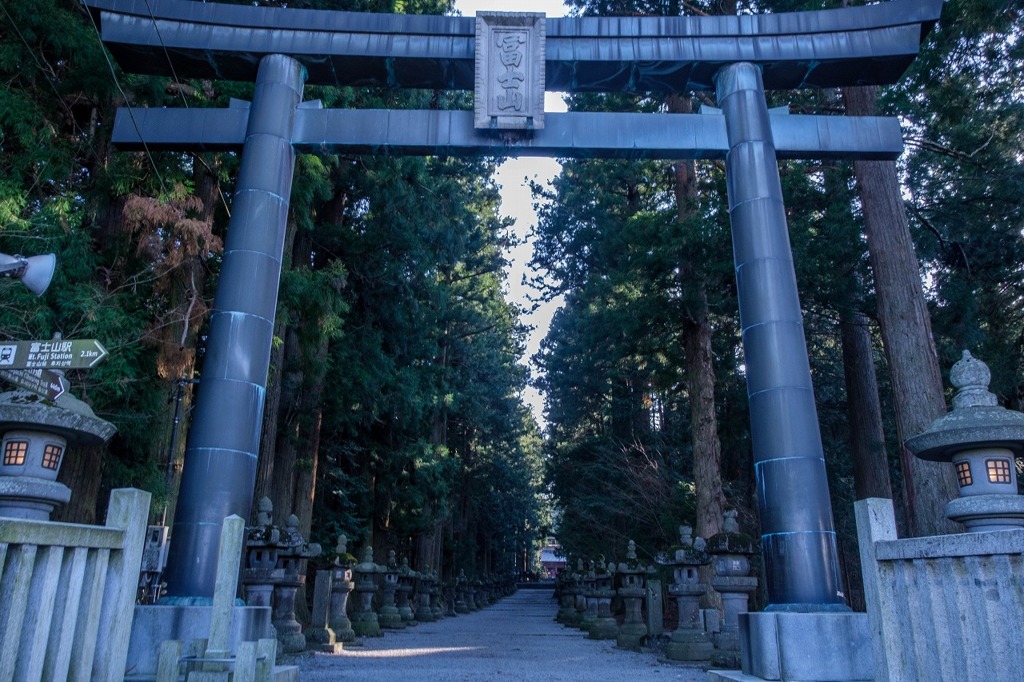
{"points": [[367, 556], [686, 536], [729, 523], [631, 551], [264, 512], [971, 378], [342, 546]]}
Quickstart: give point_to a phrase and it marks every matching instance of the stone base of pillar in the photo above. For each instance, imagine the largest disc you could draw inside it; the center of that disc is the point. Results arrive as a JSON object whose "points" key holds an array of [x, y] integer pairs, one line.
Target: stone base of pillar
{"points": [[689, 645], [726, 658], [390, 619], [343, 631], [727, 639], [604, 628], [288, 641], [153, 625], [631, 635], [322, 639], [366, 625], [825, 647]]}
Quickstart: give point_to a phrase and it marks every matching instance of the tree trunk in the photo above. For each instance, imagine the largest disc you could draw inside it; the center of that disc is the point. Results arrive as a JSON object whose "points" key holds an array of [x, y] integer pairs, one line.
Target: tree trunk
{"points": [[867, 438], [287, 443], [178, 356], [700, 371], [309, 436], [707, 449], [906, 331], [82, 472], [265, 467]]}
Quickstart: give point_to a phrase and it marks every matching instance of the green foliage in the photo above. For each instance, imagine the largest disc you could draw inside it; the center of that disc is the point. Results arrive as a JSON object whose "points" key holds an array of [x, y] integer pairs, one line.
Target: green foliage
{"points": [[965, 114]]}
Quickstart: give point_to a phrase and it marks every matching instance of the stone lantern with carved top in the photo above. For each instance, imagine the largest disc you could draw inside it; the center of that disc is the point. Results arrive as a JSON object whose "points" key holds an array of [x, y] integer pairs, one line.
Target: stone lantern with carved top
{"points": [[404, 592], [633, 589], [982, 440], [35, 438], [389, 616], [365, 622], [341, 586], [689, 640], [732, 551], [604, 626]]}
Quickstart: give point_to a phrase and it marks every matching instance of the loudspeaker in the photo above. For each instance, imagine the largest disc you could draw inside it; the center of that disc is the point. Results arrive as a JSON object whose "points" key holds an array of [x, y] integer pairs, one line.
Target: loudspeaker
{"points": [[39, 272], [36, 273]]}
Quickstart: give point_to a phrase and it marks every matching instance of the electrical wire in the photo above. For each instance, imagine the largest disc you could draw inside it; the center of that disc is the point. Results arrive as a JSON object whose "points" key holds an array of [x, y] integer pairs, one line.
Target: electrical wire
{"points": [[167, 55], [184, 100], [46, 76], [124, 95]]}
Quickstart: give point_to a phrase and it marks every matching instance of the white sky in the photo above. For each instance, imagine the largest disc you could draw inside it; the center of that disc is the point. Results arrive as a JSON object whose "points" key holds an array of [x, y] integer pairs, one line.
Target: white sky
{"points": [[516, 201]]}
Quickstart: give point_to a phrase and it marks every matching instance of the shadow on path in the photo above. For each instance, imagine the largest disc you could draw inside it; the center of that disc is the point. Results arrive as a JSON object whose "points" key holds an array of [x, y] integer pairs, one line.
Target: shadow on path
{"points": [[515, 639]]}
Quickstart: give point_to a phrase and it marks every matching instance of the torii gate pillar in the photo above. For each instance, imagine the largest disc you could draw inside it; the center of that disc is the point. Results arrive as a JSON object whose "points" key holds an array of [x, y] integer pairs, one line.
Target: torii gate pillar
{"points": [[798, 540], [223, 443]]}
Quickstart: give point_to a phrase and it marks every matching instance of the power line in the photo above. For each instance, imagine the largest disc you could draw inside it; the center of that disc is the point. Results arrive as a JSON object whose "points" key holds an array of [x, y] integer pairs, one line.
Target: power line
{"points": [[124, 95], [40, 65]]}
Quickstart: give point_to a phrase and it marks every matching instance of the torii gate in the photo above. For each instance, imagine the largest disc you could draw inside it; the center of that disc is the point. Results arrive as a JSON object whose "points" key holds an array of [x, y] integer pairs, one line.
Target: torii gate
{"points": [[510, 59]]}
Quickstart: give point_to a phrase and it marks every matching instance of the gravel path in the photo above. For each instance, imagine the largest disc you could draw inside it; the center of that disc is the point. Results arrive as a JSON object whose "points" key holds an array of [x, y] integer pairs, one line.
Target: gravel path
{"points": [[515, 639]]}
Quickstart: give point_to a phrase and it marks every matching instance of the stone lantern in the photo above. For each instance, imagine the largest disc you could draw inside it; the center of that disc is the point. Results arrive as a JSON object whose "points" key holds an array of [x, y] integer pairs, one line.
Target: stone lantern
{"points": [[450, 597], [437, 606], [425, 592], [981, 440], [732, 551], [633, 590], [403, 593], [580, 598], [364, 619], [461, 589], [474, 592], [566, 584], [291, 557], [261, 545], [689, 641], [36, 436], [390, 618], [273, 572], [589, 616], [604, 626], [341, 587]]}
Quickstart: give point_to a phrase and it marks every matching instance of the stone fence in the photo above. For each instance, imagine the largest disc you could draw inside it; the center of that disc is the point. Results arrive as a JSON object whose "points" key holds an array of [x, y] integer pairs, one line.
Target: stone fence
{"points": [[945, 608], [70, 593]]}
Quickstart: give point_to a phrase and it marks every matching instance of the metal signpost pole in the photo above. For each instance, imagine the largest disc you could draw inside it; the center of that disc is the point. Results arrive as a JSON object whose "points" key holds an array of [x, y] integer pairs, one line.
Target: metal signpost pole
{"points": [[801, 559], [223, 444]]}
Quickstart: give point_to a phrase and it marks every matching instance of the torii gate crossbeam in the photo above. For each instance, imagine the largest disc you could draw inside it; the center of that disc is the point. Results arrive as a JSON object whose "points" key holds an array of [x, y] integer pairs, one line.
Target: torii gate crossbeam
{"points": [[738, 57]]}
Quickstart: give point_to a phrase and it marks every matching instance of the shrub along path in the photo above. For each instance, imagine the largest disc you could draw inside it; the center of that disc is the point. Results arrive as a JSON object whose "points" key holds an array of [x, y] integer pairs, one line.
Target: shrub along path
{"points": [[515, 639]]}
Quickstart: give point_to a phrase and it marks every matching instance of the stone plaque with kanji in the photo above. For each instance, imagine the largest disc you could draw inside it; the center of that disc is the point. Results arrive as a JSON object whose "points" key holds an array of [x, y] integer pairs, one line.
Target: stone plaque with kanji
{"points": [[509, 71]]}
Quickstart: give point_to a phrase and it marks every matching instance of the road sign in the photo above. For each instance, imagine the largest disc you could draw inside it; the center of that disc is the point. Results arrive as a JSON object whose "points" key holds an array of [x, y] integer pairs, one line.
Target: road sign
{"points": [[51, 354], [42, 381]]}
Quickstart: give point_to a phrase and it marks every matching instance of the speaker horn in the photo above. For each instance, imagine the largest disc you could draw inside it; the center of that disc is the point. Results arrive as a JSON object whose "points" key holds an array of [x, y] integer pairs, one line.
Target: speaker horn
{"points": [[35, 272]]}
